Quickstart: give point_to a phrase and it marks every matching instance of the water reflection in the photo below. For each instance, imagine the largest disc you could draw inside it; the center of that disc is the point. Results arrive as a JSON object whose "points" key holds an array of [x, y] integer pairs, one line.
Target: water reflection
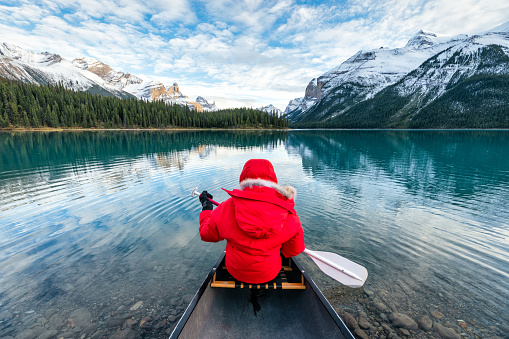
{"points": [[420, 208], [104, 220]]}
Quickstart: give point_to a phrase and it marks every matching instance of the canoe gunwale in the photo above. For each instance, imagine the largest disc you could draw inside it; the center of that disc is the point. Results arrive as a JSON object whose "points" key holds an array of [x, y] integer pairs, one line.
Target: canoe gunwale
{"points": [[325, 302], [192, 305]]}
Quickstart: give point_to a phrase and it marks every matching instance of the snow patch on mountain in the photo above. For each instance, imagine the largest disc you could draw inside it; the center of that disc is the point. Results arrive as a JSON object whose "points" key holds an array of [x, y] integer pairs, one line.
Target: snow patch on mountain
{"points": [[293, 105], [425, 39], [271, 109], [504, 28], [207, 106], [17, 63]]}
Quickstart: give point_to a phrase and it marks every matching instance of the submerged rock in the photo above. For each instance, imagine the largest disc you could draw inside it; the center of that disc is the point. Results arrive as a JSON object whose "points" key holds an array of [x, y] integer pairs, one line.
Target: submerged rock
{"points": [[90, 329], [404, 331], [369, 293], [56, 321], [80, 317], [387, 328], [364, 323], [380, 306], [124, 334], [350, 321], [446, 332], [424, 322], [130, 323], [402, 320], [437, 315], [38, 330], [114, 322], [50, 312], [360, 333], [160, 324], [176, 302], [48, 334], [136, 306], [28, 334], [188, 298]]}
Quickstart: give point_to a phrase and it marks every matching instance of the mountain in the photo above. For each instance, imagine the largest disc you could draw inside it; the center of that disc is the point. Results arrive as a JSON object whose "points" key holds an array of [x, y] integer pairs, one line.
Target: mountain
{"points": [[45, 68], [271, 109], [434, 81], [208, 107], [88, 74], [300, 105]]}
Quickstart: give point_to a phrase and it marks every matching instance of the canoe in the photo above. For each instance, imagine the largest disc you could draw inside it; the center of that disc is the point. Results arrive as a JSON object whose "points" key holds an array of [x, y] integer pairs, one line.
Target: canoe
{"points": [[290, 306]]}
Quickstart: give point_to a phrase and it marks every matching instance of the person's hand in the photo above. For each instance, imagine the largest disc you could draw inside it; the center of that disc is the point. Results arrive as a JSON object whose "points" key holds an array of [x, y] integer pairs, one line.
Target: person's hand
{"points": [[205, 202]]}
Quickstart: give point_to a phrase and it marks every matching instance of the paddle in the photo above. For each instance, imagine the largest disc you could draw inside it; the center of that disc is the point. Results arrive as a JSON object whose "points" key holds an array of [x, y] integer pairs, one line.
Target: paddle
{"points": [[195, 193], [335, 266], [338, 268]]}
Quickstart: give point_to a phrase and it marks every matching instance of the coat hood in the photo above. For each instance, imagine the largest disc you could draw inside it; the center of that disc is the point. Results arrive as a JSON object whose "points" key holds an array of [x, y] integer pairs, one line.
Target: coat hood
{"points": [[261, 207], [258, 169]]}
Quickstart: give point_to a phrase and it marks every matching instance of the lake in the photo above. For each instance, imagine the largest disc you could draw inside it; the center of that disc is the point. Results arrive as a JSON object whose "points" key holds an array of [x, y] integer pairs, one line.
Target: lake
{"points": [[99, 233]]}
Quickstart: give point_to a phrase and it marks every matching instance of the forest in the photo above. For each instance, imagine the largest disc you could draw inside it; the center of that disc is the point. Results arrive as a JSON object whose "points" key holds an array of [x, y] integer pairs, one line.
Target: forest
{"points": [[25, 105]]}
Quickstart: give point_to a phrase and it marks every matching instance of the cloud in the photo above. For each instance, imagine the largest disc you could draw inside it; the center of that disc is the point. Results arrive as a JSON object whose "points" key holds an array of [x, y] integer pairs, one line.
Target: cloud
{"points": [[257, 51]]}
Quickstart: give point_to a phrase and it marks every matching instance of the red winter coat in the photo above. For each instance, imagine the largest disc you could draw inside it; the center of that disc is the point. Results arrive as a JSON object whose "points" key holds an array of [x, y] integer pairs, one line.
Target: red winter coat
{"points": [[258, 222]]}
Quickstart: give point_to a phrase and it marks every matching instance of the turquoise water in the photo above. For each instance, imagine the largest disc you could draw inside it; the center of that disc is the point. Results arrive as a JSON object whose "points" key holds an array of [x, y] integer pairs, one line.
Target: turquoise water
{"points": [[93, 223]]}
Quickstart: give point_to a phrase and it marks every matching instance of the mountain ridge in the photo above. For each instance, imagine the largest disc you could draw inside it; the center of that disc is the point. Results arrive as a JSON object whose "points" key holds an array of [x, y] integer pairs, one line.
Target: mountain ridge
{"points": [[88, 74], [417, 74]]}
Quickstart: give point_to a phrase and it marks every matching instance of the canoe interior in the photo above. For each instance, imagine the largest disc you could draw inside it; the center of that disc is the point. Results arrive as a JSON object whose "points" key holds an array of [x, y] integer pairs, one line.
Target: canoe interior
{"points": [[245, 313]]}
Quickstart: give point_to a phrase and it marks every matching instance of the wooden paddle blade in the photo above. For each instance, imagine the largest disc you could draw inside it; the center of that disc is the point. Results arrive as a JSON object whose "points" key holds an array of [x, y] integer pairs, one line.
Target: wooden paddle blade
{"points": [[338, 268]]}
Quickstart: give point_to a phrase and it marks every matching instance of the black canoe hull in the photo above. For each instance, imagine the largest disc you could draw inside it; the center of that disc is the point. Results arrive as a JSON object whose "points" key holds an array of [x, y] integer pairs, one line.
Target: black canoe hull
{"points": [[236, 313]]}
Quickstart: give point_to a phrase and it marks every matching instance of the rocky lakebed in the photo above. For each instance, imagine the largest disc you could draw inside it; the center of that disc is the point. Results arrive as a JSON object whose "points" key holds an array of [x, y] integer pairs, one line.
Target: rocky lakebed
{"points": [[370, 314], [121, 316]]}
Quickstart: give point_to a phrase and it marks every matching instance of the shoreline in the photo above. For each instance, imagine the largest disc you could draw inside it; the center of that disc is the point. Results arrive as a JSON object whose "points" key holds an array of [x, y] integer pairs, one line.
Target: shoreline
{"points": [[180, 129], [79, 129]]}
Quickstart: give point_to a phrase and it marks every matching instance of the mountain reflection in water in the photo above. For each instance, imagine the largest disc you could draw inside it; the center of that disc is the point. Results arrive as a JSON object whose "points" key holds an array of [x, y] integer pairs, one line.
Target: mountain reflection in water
{"points": [[93, 223]]}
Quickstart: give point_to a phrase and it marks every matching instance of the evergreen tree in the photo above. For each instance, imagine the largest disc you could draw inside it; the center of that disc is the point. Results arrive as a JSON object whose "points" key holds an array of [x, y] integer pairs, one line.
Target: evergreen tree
{"points": [[31, 105]]}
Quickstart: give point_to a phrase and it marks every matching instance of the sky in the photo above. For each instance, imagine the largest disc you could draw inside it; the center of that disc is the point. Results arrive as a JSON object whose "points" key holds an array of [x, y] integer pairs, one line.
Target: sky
{"points": [[238, 53]]}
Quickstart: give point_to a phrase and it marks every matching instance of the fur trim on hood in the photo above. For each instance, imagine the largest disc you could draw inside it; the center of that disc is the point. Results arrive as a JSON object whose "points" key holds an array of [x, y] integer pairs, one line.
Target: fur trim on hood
{"points": [[287, 191]]}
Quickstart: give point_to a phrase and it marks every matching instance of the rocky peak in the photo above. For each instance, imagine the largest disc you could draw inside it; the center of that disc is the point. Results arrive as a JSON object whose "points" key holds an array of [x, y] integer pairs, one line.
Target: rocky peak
{"points": [[425, 39], [311, 90], [93, 65], [174, 90], [18, 53], [157, 90], [422, 39]]}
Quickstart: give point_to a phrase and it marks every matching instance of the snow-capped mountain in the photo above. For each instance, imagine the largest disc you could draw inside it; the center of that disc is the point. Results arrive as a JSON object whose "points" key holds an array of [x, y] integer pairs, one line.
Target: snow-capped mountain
{"points": [[271, 109], [208, 107], [299, 105], [42, 68], [88, 74], [421, 72]]}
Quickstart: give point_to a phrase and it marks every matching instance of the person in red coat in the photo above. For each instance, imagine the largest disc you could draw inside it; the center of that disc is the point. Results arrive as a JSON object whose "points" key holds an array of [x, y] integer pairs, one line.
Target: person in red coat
{"points": [[258, 222]]}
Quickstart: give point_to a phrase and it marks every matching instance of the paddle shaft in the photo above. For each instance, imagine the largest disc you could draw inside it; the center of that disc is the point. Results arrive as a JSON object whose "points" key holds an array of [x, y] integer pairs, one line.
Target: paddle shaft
{"points": [[195, 193], [212, 201], [331, 264]]}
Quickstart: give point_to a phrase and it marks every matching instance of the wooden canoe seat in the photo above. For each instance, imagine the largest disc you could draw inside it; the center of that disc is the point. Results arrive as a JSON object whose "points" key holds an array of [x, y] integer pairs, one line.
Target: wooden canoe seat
{"points": [[289, 278]]}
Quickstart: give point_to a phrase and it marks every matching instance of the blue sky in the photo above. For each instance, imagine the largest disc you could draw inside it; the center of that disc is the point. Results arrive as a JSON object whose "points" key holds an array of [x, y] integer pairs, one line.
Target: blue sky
{"points": [[238, 53]]}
